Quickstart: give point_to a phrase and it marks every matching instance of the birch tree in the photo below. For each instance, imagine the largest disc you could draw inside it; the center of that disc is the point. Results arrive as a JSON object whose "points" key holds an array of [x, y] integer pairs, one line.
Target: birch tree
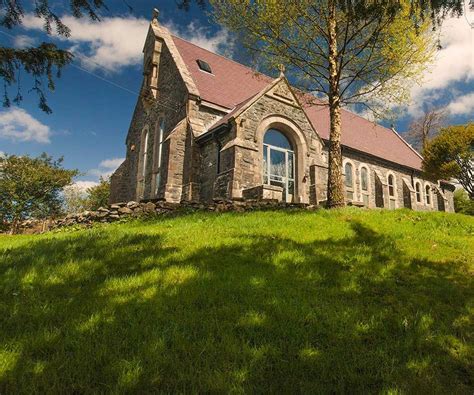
{"points": [[359, 54], [425, 127]]}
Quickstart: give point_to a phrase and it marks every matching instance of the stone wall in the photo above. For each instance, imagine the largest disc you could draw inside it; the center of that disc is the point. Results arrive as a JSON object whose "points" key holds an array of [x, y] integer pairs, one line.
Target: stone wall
{"points": [[169, 105], [229, 165], [278, 111], [405, 180]]}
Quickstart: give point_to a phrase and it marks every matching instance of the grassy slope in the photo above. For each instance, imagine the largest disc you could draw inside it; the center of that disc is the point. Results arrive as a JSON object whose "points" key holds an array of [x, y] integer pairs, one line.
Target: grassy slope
{"points": [[348, 301]]}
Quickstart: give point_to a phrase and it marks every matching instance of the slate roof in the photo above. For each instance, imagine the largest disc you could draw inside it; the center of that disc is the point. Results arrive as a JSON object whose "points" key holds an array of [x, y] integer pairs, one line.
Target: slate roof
{"points": [[232, 84]]}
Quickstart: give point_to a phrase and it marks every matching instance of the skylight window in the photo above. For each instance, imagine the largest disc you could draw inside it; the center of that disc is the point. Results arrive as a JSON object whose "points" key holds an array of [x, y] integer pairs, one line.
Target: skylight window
{"points": [[204, 66]]}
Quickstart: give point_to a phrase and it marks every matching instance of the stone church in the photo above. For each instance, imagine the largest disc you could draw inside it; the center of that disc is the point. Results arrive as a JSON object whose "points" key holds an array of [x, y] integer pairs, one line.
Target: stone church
{"points": [[206, 127]]}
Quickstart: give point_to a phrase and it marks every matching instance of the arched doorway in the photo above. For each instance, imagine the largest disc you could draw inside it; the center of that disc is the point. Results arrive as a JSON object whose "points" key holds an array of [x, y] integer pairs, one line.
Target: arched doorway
{"points": [[279, 163]]}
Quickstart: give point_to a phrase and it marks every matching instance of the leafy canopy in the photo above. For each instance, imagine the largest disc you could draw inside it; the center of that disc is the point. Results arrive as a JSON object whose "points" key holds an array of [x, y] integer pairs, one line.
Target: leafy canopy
{"points": [[31, 187], [462, 203], [451, 155], [98, 195], [379, 53], [47, 59]]}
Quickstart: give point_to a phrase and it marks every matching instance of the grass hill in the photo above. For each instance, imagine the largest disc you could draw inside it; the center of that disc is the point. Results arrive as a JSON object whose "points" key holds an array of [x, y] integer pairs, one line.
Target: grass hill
{"points": [[349, 301]]}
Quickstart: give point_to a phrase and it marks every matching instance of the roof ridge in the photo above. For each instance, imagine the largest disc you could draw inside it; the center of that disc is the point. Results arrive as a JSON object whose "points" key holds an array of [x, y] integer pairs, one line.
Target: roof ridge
{"points": [[406, 143], [222, 56], [293, 87]]}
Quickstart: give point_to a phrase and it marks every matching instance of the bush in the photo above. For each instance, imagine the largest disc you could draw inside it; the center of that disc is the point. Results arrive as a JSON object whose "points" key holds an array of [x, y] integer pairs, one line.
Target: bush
{"points": [[462, 203], [31, 187], [99, 194]]}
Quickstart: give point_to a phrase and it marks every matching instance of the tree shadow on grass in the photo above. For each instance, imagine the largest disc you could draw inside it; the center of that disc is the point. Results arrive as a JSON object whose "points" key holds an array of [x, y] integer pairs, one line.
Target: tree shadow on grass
{"points": [[260, 314]]}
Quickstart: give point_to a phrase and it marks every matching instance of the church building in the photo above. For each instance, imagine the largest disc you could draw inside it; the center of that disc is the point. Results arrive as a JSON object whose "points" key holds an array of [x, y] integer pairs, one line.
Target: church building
{"points": [[206, 127]]}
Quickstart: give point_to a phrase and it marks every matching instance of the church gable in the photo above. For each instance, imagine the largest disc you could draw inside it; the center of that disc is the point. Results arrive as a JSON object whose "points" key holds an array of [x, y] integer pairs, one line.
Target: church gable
{"points": [[233, 134]]}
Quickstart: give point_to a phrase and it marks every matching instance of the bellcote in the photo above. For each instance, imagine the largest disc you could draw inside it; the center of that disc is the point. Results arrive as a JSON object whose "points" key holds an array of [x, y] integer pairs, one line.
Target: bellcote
{"points": [[151, 62]]}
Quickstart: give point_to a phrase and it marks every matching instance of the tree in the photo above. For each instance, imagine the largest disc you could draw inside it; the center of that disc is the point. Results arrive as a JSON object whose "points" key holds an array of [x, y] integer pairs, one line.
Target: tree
{"points": [[74, 199], [451, 155], [426, 127], [46, 60], [31, 187], [98, 196], [437, 9], [368, 58], [462, 203]]}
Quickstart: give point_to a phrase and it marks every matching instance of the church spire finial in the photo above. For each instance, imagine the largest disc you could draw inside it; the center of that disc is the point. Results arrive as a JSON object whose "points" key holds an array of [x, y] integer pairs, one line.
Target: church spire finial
{"points": [[281, 67], [154, 16]]}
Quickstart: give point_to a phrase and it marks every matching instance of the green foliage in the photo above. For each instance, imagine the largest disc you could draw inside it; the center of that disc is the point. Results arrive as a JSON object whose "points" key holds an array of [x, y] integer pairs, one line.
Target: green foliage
{"points": [[98, 195], [451, 155], [376, 58], [31, 187], [346, 301], [462, 203], [47, 57], [74, 199]]}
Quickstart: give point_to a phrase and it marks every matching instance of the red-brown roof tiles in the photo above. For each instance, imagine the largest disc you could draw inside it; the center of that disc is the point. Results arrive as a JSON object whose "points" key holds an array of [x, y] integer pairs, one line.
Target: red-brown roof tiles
{"points": [[232, 83]]}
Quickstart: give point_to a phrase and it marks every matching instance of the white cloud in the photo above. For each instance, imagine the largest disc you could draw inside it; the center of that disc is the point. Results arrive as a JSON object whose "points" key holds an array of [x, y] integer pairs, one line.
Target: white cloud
{"points": [[117, 42], [17, 125], [220, 42], [23, 41], [2, 154], [111, 163], [82, 186], [106, 168], [463, 105], [111, 43], [454, 64]]}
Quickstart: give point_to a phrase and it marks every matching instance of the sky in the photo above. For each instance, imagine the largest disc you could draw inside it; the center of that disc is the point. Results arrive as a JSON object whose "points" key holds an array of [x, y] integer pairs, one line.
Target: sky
{"points": [[95, 97]]}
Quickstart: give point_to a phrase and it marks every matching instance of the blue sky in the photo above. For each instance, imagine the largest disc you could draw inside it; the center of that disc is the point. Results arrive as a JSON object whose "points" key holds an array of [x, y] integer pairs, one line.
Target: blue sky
{"points": [[94, 99]]}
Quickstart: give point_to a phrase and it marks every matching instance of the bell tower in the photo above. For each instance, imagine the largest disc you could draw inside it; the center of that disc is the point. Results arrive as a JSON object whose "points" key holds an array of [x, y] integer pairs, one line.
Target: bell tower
{"points": [[151, 63]]}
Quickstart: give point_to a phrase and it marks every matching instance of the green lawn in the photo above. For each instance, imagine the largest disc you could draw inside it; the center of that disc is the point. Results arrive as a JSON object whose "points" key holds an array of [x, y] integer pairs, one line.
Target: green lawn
{"points": [[348, 301]]}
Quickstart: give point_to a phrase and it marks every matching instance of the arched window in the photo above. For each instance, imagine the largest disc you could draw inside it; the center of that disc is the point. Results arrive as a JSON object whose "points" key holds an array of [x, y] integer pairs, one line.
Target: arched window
{"points": [[418, 192], [391, 185], [145, 154], [348, 175], [278, 162], [364, 185], [428, 195], [349, 180], [392, 191], [158, 151], [142, 163]]}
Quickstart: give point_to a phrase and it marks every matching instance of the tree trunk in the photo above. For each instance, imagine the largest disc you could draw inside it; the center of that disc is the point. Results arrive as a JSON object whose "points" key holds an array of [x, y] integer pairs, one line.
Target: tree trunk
{"points": [[335, 193]]}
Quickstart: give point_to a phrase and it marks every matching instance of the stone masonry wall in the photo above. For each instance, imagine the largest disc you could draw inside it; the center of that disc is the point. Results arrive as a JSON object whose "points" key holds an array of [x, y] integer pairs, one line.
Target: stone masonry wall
{"points": [[248, 145], [170, 105]]}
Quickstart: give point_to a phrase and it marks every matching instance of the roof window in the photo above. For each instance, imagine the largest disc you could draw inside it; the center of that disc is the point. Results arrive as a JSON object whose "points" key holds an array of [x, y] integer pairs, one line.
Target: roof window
{"points": [[204, 66]]}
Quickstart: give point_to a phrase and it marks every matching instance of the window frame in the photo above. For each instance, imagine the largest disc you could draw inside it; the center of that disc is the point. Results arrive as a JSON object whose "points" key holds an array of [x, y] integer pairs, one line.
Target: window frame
{"points": [[419, 192], [350, 191], [158, 154], [428, 195], [392, 198], [143, 162], [365, 193], [266, 166]]}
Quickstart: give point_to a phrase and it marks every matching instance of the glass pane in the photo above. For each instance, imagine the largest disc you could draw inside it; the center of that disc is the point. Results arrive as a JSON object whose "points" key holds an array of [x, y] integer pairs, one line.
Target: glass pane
{"points": [[291, 174], [364, 179], [276, 138], [350, 195], [391, 191], [277, 163], [265, 164], [348, 175], [291, 187]]}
